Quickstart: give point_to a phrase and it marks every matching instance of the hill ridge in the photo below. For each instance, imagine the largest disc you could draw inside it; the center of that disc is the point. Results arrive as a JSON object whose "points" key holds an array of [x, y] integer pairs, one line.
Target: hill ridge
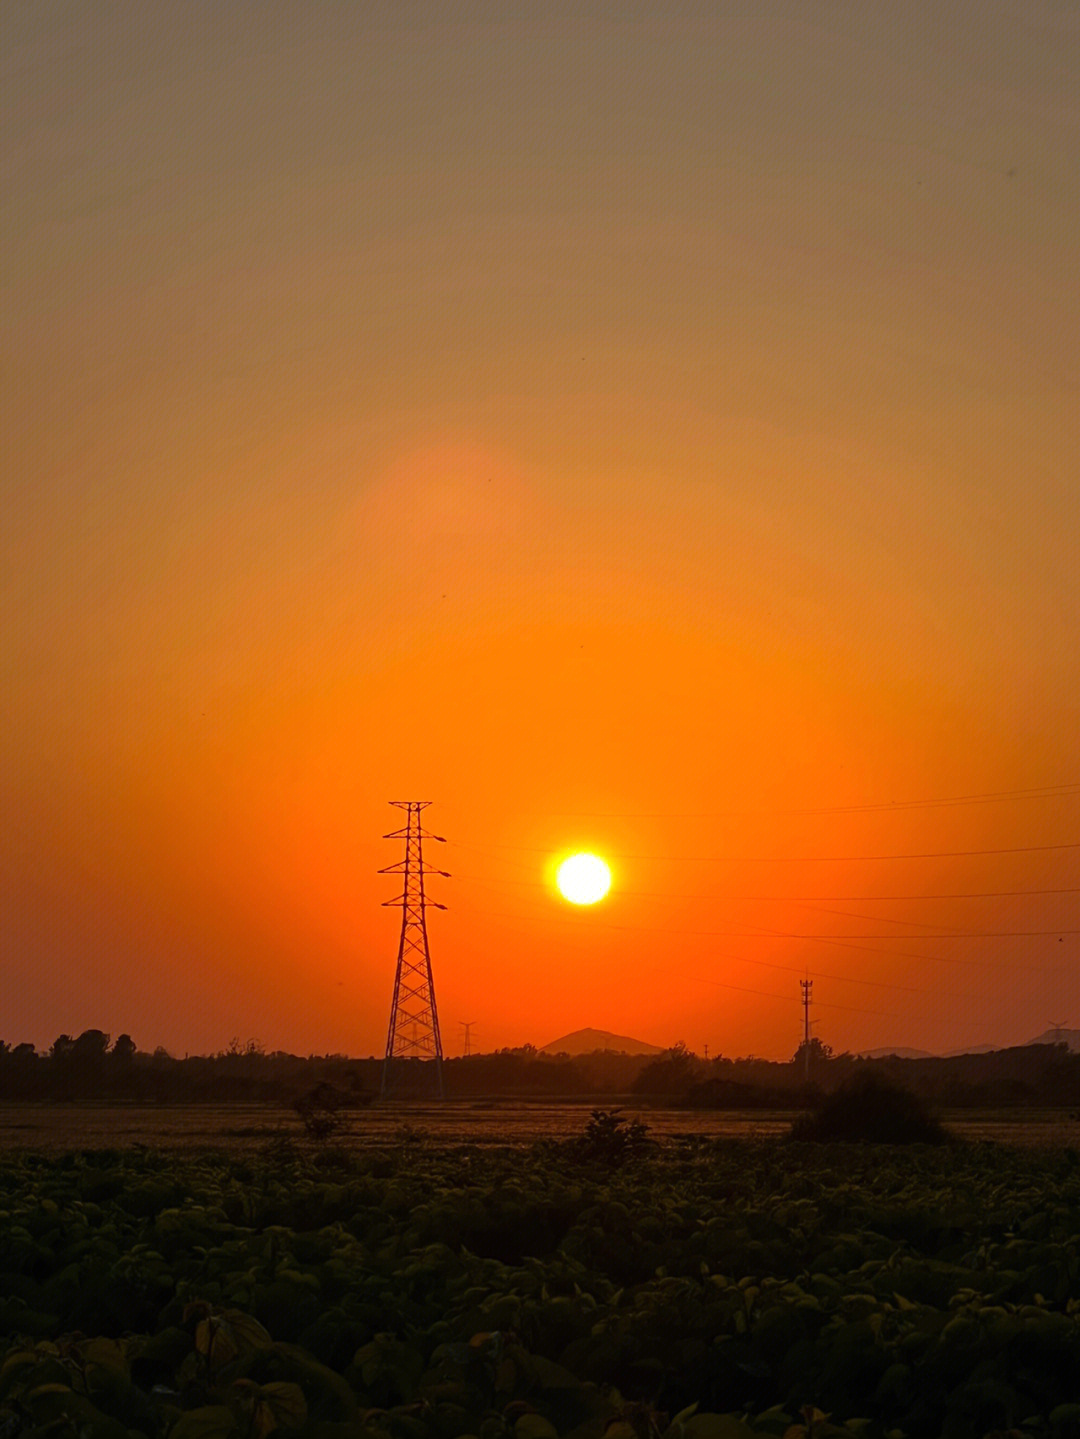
{"points": [[585, 1041]]}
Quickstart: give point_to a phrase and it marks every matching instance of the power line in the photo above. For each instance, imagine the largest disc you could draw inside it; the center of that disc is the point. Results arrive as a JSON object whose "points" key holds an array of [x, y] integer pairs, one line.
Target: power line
{"points": [[763, 963], [757, 931], [956, 934], [789, 898], [873, 918], [763, 932], [791, 858], [1066, 790], [821, 974], [912, 954], [742, 959], [788, 998], [959, 894]]}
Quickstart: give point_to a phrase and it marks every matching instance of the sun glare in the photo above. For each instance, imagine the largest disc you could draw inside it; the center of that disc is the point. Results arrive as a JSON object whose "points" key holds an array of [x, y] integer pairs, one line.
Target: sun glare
{"points": [[583, 879]]}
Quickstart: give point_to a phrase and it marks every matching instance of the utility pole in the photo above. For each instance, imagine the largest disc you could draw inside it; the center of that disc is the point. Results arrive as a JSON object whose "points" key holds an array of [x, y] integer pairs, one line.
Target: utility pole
{"points": [[467, 1025], [414, 1019], [806, 985]]}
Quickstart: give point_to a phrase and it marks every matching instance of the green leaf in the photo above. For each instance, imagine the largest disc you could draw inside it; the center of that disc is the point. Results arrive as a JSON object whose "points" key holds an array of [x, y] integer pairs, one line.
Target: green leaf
{"points": [[223, 1337], [685, 1414], [14, 1364], [318, 1377], [535, 1426], [716, 1426], [286, 1402], [212, 1421], [105, 1354]]}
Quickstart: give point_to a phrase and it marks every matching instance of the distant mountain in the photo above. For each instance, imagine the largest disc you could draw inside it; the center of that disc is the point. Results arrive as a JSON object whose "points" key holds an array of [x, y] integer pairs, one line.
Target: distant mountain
{"points": [[1071, 1037], [896, 1054], [584, 1041]]}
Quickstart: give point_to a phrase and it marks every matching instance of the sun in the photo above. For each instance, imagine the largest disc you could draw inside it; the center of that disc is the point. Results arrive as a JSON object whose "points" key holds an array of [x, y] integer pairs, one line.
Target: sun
{"points": [[583, 879]]}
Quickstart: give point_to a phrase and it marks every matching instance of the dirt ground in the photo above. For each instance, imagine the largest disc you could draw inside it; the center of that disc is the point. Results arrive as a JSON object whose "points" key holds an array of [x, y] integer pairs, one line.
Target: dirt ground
{"points": [[55, 1128]]}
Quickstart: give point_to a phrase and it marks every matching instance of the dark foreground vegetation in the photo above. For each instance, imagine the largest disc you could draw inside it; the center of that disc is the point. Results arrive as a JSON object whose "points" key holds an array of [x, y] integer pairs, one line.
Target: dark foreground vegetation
{"points": [[92, 1067], [867, 1109], [601, 1286]]}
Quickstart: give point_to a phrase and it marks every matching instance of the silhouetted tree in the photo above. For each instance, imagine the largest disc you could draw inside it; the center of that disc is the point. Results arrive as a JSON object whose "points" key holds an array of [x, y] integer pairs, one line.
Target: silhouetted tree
{"points": [[90, 1047], [810, 1056], [61, 1047], [672, 1072], [237, 1049], [124, 1049]]}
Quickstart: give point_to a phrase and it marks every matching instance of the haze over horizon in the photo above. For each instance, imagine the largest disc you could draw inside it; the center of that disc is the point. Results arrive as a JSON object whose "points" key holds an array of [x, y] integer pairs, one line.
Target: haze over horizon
{"points": [[649, 431]]}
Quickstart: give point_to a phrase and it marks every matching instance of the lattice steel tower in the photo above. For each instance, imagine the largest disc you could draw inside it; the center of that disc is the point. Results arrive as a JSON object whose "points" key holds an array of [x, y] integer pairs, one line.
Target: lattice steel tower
{"points": [[414, 1019], [807, 986]]}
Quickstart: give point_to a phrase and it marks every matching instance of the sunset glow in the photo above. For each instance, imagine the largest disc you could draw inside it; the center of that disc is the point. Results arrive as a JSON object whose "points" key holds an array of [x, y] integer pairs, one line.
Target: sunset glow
{"points": [[638, 429]]}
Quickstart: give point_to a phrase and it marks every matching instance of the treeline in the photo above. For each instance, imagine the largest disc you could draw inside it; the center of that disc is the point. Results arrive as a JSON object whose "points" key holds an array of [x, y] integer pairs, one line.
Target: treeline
{"points": [[92, 1068], [1034, 1076]]}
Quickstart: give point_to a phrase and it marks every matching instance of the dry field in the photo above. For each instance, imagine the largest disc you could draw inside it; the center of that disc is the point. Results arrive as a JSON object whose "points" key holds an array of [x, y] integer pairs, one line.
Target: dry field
{"points": [[236, 1127]]}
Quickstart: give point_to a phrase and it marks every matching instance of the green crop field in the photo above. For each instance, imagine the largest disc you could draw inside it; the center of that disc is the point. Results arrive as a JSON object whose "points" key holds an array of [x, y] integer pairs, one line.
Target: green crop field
{"points": [[408, 1285]]}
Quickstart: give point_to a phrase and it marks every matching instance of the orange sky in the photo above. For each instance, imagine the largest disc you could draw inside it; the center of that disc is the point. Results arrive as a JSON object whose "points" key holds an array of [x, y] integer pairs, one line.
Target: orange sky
{"points": [[648, 429]]}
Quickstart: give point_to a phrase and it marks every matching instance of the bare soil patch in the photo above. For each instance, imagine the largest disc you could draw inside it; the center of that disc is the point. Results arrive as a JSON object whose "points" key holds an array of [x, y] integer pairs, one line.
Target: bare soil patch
{"points": [[238, 1127]]}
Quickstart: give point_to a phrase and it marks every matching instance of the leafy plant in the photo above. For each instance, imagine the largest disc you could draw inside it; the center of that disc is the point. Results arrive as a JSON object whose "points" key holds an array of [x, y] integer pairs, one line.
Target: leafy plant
{"points": [[319, 1109], [611, 1139], [524, 1294]]}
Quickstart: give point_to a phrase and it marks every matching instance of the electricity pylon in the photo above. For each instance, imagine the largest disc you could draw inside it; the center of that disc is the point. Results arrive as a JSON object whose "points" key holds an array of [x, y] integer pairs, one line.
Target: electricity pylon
{"points": [[467, 1025], [414, 1018], [807, 986]]}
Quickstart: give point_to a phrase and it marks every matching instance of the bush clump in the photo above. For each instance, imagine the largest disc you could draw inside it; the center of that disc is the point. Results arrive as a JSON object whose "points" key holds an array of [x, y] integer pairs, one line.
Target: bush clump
{"points": [[319, 1109], [867, 1109], [611, 1139]]}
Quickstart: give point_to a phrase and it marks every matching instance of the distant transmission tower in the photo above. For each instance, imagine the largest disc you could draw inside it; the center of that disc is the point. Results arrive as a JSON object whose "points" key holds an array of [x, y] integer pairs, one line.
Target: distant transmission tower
{"points": [[806, 985], [467, 1025], [414, 1019], [1057, 1025]]}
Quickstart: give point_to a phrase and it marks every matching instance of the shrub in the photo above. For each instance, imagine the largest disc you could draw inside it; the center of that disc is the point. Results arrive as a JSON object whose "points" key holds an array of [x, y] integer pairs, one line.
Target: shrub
{"points": [[867, 1109], [611, 1139], [318, 1109]]}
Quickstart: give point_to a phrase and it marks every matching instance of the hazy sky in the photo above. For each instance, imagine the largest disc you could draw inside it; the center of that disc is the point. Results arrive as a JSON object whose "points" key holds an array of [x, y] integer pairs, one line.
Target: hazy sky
{"points": [[645, 428]]}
